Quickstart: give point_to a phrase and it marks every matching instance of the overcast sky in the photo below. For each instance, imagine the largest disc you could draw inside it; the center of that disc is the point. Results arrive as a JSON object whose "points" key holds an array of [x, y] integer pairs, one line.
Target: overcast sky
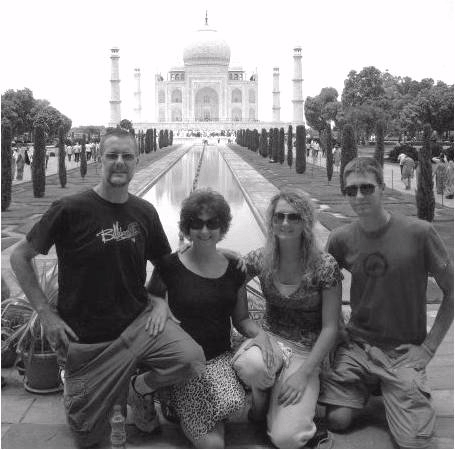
{"points": [[60, 49]]}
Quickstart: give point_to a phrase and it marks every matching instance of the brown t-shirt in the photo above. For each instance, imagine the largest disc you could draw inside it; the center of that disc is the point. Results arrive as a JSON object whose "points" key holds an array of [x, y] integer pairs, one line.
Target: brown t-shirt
{"points": [[390, 269]]}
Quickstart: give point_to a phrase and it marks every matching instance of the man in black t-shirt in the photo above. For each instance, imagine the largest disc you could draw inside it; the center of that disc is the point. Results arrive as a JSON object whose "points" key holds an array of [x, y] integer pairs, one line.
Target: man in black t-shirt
{"points": [[103, 238]]}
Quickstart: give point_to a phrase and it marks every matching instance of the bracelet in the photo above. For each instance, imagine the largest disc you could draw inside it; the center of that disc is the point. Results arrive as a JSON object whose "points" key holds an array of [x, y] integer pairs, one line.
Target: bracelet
{"points": [[427, 349]]}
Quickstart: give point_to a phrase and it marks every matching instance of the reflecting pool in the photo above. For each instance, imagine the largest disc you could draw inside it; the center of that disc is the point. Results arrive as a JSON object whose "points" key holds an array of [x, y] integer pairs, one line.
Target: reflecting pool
{"points": [[170, 190]]}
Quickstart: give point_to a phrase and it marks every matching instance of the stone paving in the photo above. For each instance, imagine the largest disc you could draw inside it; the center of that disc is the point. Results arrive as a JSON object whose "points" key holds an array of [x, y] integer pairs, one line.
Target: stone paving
{"points": [[37, 421]]}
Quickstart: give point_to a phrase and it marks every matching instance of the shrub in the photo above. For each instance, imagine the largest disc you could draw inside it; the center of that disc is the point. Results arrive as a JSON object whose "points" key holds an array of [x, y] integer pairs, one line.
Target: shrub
{"points": [[424, 194], [269, 144], [61, 157], [39, 162], [281, 146], [327, 148], [300, 149], [7, 178], [171, 137], [379, 151], [83, 166], [348, 151], [275, 145], [154, 140], [407, 149], [289, 155], [263, 149]]}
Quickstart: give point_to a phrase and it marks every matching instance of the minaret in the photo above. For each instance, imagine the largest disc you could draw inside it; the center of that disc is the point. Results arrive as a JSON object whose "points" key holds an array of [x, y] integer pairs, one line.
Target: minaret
{"points": [[276, 94], [115, 88], [137, 95], [297, 82]]}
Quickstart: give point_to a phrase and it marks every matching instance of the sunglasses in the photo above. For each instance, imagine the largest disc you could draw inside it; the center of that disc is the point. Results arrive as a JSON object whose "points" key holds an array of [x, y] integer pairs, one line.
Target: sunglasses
{"points": [[292, 217], [212, 224], [125, 156], [365, 189]]}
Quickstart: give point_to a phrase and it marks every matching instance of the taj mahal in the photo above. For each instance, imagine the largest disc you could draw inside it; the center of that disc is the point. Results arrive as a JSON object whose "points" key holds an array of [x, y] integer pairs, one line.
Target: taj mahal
{"points": [[206, 92]]}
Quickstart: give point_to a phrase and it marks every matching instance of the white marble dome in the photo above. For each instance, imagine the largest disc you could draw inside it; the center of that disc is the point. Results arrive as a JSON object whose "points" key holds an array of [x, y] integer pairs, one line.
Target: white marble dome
{"points": [[207, 47]]}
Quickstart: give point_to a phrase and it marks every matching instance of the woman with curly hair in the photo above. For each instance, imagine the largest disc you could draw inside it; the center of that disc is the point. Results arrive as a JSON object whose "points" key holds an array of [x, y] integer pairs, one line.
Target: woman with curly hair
{"points": [[302, 289], [205, 291]]}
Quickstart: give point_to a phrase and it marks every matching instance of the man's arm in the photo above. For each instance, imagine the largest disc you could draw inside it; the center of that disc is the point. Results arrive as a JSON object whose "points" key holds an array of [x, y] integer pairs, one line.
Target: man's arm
{"points": [[57, 331], [444, 318]]}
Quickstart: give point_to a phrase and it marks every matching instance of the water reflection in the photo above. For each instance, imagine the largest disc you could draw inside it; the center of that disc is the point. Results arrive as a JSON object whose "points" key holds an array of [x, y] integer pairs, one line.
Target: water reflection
{"points": [[168, 193]]}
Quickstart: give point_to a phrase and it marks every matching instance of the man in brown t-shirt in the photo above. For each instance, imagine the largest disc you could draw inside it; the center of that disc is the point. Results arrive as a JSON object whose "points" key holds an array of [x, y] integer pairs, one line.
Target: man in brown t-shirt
{"points": [[390, 258]]}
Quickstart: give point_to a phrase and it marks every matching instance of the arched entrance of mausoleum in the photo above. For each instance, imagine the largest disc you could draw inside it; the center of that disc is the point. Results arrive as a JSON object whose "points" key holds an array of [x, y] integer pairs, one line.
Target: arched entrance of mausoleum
{"points": [[206, 105]]}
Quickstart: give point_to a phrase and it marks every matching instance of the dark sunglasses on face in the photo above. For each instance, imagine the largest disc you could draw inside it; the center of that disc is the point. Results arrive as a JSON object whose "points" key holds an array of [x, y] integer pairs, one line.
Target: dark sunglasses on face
{"points": [[365, 189], [125, 156], [292, 217], [212, 224]]}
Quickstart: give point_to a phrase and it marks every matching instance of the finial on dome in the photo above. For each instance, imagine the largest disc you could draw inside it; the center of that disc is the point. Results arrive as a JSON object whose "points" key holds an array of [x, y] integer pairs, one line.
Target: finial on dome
{"points": [[206, 18]]}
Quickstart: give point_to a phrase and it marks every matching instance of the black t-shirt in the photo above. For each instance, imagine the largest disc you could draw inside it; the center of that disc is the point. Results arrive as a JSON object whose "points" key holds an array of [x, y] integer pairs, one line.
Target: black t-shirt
{"points": [[203, 305], [102, 250]]}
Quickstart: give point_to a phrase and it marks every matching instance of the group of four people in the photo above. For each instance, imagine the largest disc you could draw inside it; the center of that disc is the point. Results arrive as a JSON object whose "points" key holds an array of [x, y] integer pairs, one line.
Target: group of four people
{"points": [[122, 340]]}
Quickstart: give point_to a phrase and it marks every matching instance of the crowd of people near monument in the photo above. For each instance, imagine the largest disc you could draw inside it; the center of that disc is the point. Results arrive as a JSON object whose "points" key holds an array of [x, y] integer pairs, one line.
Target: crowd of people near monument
{"points": [[121, 340]]}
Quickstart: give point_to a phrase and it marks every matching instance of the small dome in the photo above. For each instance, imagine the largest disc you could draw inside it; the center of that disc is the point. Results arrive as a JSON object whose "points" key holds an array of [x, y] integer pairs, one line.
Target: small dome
{"points": [[207, 48]]}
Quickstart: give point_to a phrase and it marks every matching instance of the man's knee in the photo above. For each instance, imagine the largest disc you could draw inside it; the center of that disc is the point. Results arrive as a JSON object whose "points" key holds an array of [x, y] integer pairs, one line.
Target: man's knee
{"points": [[292, 435], [339, 418], [251, 369]]}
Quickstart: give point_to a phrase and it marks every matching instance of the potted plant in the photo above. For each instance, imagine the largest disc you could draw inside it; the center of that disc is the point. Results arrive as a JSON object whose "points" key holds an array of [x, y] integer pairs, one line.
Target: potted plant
{"points": [[33, 349]]}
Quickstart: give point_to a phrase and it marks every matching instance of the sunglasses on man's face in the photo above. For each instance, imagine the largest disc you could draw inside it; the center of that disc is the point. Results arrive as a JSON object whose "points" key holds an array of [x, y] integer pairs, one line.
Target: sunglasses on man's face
{"points": [[212, 224], [365, 189], [292, 217]]}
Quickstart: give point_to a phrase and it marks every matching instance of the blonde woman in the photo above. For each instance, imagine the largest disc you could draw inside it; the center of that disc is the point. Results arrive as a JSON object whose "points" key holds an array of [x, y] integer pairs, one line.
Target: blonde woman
{"points": [[302, 289]]}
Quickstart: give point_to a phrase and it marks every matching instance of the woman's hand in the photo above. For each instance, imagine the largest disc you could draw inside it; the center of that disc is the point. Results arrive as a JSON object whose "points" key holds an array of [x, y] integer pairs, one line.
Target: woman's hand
{"points": [[293, 388], [263, 341], [233, 255], [159, 316]]}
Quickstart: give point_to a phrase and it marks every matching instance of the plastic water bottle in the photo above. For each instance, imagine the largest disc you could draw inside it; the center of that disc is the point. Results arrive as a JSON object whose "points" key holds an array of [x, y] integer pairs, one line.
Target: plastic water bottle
{"points": [[118, 433]]}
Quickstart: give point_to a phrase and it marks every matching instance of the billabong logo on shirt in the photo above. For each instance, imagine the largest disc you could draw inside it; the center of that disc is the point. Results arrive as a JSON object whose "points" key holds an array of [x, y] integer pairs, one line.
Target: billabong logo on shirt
{"points": [[116, 233]]}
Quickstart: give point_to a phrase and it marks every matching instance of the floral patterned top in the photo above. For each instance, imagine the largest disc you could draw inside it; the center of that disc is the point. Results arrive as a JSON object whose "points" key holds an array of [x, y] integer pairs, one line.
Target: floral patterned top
{"points": [[297, 317]]}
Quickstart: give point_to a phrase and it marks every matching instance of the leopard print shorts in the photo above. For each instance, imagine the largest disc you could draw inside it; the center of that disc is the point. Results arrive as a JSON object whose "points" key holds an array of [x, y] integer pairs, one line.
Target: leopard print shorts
{"points": [[203, 401]]}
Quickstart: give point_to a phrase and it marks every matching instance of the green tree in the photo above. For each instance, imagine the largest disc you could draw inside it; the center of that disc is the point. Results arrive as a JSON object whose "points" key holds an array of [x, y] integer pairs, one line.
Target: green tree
{"points": [[276, 145], [263, 150], [7, 179], [281, 146], [166, 138], [171, 137], [289, 155], [61, 157], [39, 162], [149, 140], [348, 151], [379, 152], [424, 195], [83, 165], [362, 87], [154, 139], [269, 144], [17, 109], [160, 139], [326, 141], [126, 124], [300, 149]]}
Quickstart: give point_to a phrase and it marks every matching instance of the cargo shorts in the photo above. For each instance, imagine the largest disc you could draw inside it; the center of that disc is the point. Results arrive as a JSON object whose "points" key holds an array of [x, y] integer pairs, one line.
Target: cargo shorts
{"points": [[97, 376], [359, 369]]}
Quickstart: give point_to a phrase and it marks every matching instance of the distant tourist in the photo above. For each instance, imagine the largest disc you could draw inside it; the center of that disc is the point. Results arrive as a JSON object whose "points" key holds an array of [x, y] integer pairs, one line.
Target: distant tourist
{"points": [[69, 151], [401, 158], [302, 289], [387, 346], [13, 163], [407, 173], [104, 237], [440, 174], [77, 153], [20, 163], [337, 157], [449, 175]]}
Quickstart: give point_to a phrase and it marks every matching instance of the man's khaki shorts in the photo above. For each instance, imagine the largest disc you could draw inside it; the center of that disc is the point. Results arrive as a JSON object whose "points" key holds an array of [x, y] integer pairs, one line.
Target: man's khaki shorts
{"points": [[360, 369]]}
